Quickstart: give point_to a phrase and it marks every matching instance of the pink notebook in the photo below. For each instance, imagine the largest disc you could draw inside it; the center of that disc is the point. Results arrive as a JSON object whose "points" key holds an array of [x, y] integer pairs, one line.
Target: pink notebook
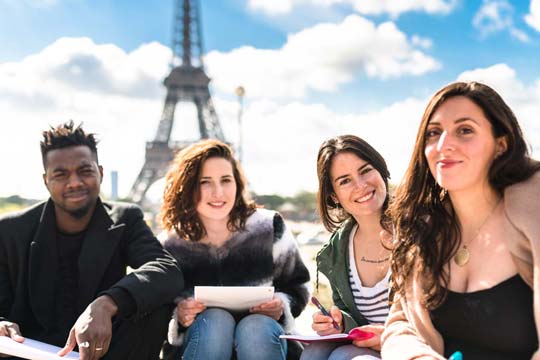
{"points": [[354, 334]]}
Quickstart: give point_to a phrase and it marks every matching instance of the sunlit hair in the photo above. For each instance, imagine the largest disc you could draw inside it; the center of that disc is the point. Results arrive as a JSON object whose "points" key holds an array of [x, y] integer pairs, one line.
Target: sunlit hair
{"points": [[424, 219], [66, 135], [182, 191], [331, 217]]}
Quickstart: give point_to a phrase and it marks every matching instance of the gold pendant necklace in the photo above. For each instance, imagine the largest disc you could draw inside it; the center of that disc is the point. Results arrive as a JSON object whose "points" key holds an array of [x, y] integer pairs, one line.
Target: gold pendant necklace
{"points": [[462, 256]]}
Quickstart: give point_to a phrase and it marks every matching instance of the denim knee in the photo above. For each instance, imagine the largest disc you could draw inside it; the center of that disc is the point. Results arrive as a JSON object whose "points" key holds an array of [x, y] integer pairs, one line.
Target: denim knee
{"points": [[211, 336], [319, 351], [217, 315], [257, 337], [352, 352]]}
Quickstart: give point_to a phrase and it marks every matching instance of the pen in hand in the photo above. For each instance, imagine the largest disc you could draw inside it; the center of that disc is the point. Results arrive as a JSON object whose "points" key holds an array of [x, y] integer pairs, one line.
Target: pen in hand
{"points": [[324, 312]]}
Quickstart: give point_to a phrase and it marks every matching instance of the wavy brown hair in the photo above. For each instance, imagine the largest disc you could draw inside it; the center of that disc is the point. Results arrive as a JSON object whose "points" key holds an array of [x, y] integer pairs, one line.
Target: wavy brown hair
{"points": [[425, 223], [182, 192], [327, 207]]}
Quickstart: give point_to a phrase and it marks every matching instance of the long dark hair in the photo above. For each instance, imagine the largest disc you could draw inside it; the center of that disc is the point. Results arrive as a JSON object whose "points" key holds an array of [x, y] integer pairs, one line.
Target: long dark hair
{"points": [[426, 226], [327, 207], [182, 193]]}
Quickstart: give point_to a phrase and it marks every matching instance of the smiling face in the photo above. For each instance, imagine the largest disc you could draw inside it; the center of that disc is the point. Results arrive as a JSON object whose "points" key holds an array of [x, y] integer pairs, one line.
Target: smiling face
{"points": [[217, 190], [73, 179], [460, 146], [358, 187]]}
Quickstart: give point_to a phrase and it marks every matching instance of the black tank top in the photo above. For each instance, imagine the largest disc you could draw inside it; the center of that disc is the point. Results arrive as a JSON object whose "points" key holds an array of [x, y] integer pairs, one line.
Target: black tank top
{"points": [[491, 324]]}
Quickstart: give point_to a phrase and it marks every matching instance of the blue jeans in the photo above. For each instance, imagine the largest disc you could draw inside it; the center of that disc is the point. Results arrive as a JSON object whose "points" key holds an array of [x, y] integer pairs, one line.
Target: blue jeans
{"points": [[214, 334], [338, 351]]}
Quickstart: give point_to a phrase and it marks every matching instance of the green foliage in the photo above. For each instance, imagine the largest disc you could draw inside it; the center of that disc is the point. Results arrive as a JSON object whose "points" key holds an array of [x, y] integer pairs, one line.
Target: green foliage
{"points": [[270, 201], [14, 203], [302, 206]]}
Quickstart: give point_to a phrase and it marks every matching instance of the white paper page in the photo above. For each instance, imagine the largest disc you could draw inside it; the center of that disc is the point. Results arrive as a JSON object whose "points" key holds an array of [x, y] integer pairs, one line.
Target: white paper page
{"points": [[236, 298], [32, 349], [314, 337]]}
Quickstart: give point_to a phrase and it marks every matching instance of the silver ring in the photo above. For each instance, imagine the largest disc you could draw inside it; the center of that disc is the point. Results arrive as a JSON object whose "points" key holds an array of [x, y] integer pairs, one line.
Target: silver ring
{"points": [[84, 344], [98, 349]]}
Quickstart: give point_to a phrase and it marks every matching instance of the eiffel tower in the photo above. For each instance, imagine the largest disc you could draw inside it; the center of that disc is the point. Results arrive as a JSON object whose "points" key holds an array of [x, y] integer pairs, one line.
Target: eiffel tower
{"points": [[187, 82]]}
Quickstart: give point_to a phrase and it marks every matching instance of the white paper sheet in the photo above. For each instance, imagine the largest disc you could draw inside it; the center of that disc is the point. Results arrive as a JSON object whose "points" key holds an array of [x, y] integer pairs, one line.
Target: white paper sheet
{"points": [[32, 349], [354, 334], [312, 338], [236, 298]]}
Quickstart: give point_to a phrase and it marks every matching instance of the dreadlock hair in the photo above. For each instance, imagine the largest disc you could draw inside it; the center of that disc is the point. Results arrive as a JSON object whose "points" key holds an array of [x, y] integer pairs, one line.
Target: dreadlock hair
{"points": [[66, 135]]}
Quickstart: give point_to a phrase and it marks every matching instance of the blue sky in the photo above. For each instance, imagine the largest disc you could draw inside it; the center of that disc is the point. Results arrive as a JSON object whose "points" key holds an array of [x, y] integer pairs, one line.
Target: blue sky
{"points": [[311, 69]]}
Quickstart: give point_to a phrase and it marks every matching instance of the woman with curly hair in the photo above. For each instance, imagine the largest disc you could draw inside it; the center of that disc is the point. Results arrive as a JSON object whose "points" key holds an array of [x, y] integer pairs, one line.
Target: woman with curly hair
{"points": [[465, 263], [220, 238], [352, 199]]}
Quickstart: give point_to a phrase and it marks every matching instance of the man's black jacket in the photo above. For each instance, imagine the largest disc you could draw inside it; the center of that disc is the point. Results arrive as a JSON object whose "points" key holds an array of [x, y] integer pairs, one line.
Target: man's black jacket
{"points": [[116, 237]]}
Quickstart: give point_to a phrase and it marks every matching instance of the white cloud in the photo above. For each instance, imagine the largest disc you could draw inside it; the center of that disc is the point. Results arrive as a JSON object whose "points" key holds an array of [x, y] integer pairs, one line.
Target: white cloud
{"points": [[518, 34], [422, 42], [393, 8], [321, 58], [503, 79], [284, 159], [523, 99], [533, 18], [116, 94], [272, 7], [281, 138], [78, 64], [495, 16]]}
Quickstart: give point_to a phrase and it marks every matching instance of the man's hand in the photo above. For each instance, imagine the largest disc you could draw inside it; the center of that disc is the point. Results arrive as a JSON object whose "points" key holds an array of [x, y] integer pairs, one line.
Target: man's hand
{"points": [[272, 308], [374, 342], [323, 324], [188, 309], [9, 329], [92, 330]]}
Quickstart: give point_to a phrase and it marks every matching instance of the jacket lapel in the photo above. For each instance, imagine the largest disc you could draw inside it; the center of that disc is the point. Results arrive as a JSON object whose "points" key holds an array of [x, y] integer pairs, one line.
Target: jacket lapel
{"points": [[342, 269], [100, 242], [43, 267], [338, 267]]}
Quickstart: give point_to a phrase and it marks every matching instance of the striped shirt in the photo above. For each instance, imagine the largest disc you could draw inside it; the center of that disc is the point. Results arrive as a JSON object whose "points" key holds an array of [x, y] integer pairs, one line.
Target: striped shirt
{"points": [[371, 302]]}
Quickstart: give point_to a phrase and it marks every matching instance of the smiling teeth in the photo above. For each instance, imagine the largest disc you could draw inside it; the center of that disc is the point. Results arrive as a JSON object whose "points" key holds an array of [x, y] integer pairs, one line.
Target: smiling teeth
{"points": [[365, 197], [217, 203]]}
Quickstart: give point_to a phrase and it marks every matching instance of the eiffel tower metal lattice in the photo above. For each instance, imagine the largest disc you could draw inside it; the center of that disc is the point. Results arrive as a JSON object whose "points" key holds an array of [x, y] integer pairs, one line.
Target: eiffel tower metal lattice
{"points": [[187, 82]]}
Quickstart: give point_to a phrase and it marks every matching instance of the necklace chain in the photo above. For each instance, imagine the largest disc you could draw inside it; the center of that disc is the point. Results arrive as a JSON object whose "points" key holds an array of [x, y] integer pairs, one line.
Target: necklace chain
{"points": [[461, 258]]}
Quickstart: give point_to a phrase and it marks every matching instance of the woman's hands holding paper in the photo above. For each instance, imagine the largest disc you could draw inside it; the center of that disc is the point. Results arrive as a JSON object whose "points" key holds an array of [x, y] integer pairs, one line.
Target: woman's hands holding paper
{"points": [[188, 309], [323, 324], [374, 342], [272, 308]]}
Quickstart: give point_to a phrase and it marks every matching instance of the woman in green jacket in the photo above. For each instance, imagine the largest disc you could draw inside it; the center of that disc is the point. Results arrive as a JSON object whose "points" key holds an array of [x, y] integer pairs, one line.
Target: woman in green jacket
{"points": [[352, 199]]}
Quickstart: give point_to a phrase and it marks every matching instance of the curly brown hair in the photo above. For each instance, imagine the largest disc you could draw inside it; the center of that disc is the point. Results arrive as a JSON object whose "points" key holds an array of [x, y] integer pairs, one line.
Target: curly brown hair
{"points": [[182, 193], [331, 219], [425, 223]]}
